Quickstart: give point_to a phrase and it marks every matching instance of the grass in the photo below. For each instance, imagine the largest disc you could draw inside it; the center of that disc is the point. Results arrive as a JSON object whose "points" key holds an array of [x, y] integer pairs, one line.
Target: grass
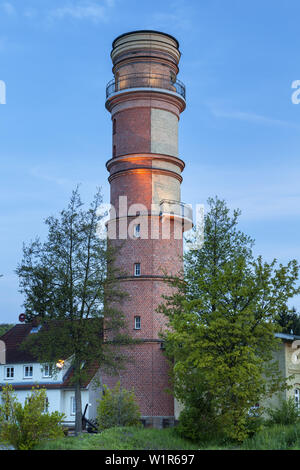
{"points": [[126, 438], [276, 437]]}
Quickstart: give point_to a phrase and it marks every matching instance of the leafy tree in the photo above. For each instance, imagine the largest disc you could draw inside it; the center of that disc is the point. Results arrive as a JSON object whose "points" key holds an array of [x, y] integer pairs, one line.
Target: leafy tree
{"points": [[117, 407], [25, 426], [221, 319], [71, 289]]}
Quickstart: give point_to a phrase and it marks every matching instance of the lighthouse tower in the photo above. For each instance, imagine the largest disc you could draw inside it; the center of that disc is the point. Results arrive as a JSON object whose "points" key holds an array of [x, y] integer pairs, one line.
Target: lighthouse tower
{"points": [[145, 100]]}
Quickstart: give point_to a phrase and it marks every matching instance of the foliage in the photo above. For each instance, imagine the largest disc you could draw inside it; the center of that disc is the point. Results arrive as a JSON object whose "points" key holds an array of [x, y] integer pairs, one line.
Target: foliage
{"points": [[286, 413], [70, 287], [221, 318], [25, 426], [277, 437], [117, 407], [198, 420], [4, 327], [289, 320]]}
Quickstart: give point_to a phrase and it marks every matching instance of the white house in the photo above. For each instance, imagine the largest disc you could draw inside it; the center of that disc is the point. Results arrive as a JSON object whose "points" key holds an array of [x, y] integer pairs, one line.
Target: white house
{"points": [[22, 371]]}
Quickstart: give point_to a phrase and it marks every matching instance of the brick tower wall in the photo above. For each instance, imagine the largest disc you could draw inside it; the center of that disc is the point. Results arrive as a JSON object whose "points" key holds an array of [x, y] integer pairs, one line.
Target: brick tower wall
{"points": [[145, 170]]}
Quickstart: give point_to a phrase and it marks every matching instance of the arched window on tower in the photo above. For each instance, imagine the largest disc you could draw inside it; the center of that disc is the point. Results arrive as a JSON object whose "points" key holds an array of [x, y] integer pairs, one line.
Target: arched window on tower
{"points": [[114, 126], [114, 151]]}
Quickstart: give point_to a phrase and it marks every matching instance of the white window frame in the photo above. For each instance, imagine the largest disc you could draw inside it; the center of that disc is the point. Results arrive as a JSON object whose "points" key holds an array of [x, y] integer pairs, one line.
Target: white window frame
{"points": [[72, 406], [47, 372], [11, 375], [28, 366], [137, 322], [137, 269], [46, 405]]}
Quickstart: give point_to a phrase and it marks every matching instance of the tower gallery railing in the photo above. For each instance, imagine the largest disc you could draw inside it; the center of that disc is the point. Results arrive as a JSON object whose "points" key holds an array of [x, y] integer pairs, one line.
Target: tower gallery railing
{"points": [[142, 80]]}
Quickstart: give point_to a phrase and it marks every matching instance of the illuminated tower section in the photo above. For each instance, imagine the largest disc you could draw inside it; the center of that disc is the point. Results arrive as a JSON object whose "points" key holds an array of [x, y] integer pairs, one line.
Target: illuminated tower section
{"points": [[145, 100]]}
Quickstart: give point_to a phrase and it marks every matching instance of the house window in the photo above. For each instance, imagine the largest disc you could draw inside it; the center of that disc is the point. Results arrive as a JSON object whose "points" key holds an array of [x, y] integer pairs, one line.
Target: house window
{"points": [[9, 372], [137, 230], [73, 406], [137, 269], [297, 398], [137, 323], [47, 372], [46, 405], [28, 372]]}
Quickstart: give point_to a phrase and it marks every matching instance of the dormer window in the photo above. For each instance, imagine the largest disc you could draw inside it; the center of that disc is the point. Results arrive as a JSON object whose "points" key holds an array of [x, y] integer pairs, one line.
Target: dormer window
{"points": [[28, 372], [47, 372], [9, 372]]}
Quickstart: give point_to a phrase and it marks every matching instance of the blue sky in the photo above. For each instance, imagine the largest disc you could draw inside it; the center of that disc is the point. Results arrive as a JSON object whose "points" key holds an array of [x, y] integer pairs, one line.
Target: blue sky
{"points": [[239, 136]]}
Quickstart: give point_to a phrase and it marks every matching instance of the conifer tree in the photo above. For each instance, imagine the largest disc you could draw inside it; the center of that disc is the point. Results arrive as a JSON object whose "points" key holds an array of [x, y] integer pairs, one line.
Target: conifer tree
{"points": [[71, 289]]}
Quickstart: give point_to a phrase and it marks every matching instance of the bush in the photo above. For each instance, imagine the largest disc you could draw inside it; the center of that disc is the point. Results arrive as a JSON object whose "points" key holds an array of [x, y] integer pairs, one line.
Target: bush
{"points": [[24, 427], [276, 437], [286, 413], [199, 424], [117, 407]]}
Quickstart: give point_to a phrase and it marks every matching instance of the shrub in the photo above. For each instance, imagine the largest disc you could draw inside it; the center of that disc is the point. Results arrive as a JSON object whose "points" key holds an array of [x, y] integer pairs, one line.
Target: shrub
{"points": [[117, 407], [24, 427], [196, 425], [286, 413], [276, 437]]}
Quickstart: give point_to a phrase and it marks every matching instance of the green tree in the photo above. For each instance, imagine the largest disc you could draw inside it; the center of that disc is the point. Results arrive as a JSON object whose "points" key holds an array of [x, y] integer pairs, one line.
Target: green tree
{"points": [[117, 407], [222, 321], [289, 321], [71, 288], [25, 426]]}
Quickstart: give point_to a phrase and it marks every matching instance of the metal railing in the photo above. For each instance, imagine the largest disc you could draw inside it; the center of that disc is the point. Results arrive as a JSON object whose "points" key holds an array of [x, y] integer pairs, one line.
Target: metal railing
{"points": [[140, 80], [177, 209]]}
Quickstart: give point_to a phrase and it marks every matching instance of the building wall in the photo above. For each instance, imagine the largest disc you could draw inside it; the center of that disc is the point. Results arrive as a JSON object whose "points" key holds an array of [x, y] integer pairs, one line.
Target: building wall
{"points": [[145, 169], [288, 370], [38, 376]]}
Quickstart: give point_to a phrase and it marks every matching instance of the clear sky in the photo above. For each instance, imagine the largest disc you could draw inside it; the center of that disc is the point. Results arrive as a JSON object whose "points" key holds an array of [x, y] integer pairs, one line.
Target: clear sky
{"points": [[239, 135]]}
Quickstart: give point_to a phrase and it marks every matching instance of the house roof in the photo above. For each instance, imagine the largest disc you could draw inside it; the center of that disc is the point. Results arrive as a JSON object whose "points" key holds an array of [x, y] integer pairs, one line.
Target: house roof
{"points": [[13, 339], [287, 337]]}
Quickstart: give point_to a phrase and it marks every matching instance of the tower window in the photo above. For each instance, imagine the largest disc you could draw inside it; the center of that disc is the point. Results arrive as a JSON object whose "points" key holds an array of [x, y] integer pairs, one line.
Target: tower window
{"points": [[137, 269], [114, 127], [137, 323], [114, 151], [137, 230]]}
